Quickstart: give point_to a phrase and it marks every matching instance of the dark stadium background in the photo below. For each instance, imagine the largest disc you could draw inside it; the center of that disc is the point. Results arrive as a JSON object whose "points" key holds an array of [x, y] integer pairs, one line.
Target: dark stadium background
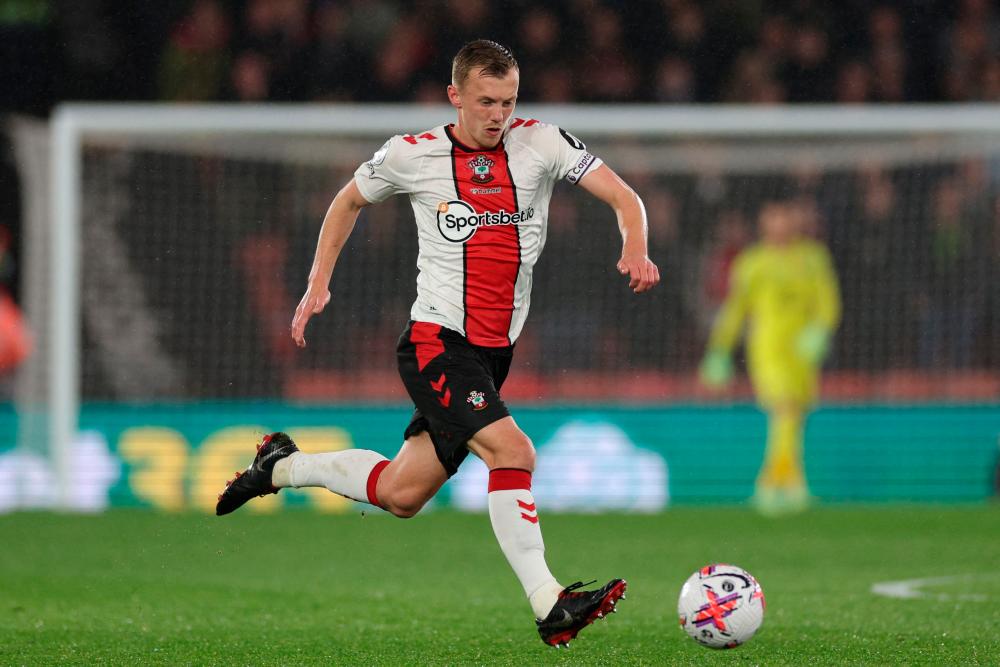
{"points": [[796, 51], [917, 246]]}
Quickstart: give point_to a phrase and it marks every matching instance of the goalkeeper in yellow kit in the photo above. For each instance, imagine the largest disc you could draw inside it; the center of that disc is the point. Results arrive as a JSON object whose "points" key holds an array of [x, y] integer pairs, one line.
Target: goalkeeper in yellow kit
{"points": [[785, 288]]}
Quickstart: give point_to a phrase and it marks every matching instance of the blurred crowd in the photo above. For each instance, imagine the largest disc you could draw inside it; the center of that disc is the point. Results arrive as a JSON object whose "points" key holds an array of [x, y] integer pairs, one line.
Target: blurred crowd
{"points": [[917, 245], [671, 51]]}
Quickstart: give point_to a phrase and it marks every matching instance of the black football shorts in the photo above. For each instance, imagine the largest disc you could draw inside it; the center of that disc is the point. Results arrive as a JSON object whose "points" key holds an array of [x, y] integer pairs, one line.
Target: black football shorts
{"points": [[455, 386]]}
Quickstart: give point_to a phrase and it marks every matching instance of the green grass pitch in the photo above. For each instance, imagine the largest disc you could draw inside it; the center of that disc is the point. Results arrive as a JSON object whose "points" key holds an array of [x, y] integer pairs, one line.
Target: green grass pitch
{"points": [[136, 587]]}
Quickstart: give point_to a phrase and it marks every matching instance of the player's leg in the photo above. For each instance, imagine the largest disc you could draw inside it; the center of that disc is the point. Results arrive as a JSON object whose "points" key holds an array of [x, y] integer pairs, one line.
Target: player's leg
{"points": [[510, 457], [789, 438], [345, 472], [560, 612], [279, 464], [784, 387], [782, 467], [411, 478], [401, 486], [781, 485], [455, 386]]}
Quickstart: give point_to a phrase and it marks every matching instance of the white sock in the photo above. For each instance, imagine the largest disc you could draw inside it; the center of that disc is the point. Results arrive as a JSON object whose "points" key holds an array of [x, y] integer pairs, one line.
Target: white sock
{"points": [[352, 473], [515, 523]]}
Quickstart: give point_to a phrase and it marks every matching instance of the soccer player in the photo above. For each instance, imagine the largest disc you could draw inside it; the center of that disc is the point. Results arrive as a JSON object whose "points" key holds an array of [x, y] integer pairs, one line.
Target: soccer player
{"points": [[785, 288], [480, 192]]}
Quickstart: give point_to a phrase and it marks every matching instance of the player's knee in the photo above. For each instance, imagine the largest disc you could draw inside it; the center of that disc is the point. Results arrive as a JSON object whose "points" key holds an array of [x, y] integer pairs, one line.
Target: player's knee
{"points": [[401, 512], [529, 455], [404, 504], [519, 454]]}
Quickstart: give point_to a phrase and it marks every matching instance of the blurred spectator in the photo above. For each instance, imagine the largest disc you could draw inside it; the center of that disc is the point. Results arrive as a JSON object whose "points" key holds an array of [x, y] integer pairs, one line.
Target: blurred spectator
{"points": [[807, 74], [15, 341], [991, 81], [888, 55], [608, 74], [402, 62], [675, 81], [754, 81], [335, 66], [854, 83], [461, 21], [251, 78], [969, 45], [537, 49], [195, 62], [954, 285], [538, 36], [554, 85], [686, 31], [276, 33], [774, 40]]}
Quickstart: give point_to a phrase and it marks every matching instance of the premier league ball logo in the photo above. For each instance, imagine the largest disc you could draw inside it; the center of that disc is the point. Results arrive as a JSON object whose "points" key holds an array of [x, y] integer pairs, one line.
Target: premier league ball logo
{"points": [[480, 167]]}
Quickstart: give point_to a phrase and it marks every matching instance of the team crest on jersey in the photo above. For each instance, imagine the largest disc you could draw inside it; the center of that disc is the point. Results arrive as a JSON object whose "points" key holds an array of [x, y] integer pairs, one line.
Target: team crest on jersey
{"points": [[480, 167], [477, 400]]}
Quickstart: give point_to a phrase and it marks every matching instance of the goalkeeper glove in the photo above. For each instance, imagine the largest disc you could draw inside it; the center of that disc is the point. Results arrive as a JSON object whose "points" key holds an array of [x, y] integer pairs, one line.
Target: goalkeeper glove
{"points": [[716, 369], [812, 343]]}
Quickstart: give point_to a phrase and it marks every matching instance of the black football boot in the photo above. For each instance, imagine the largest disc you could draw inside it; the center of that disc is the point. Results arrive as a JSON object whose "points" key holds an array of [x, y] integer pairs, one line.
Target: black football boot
{"points": [[256, 479], [575, 610]]}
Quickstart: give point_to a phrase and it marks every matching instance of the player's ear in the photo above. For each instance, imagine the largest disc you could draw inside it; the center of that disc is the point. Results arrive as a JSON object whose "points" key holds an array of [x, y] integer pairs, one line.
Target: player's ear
{"points": [[454, 97]]}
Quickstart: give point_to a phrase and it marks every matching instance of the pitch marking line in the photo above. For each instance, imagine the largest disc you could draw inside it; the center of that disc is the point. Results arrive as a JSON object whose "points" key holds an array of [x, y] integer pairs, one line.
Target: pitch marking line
{"points": [[910, 589]]}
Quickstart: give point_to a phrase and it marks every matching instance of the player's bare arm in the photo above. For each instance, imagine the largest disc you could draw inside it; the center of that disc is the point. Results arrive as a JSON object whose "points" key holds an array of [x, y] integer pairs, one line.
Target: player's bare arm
{"points": [[607, 186], [337, 226]]}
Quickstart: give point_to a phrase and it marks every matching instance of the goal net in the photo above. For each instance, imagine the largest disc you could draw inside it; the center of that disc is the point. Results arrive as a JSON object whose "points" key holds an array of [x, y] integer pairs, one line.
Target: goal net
{"points": [[183, 239]]}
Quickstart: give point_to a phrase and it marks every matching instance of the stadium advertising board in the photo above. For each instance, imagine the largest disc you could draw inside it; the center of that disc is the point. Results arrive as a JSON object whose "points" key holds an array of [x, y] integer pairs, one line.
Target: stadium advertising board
{"points": [[177, 457]]}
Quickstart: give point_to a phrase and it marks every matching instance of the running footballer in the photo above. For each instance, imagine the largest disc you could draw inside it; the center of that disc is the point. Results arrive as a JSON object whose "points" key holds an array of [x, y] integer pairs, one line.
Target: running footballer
{"points": [[480, 190]]}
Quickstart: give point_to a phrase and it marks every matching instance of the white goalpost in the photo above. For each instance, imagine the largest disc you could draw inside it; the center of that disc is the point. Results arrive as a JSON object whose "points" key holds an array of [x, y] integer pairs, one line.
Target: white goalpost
{"points": [[678, 153]]}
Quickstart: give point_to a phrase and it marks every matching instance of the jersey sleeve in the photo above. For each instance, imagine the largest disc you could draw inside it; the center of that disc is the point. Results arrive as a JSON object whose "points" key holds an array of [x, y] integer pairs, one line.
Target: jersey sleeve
{"points": [[728, 324], [568, 156], [828, 306], [385, 174]]}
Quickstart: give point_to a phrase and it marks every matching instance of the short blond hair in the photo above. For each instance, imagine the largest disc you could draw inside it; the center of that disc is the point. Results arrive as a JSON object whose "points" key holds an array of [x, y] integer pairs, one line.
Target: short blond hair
{"points": [[494, 58]]}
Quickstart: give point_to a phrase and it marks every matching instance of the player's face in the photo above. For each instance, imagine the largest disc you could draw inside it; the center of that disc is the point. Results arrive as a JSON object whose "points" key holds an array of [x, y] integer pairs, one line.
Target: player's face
{"points": [[779, 223], [485, 105]]}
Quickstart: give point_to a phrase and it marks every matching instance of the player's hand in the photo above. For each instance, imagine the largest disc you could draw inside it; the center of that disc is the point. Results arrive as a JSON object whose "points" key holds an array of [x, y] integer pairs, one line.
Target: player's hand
{"points": [[812, 343], [642, 273], [716, 369], [313, 302]]}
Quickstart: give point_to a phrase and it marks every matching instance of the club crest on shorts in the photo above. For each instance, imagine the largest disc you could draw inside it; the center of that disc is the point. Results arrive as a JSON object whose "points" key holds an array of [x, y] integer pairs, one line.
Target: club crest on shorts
{"points": [[480, 167], [477, 400]]}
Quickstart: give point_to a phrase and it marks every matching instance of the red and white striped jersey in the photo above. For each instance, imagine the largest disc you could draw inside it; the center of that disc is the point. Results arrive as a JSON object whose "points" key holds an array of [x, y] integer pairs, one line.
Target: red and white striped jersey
{"points": [[481, 219]]}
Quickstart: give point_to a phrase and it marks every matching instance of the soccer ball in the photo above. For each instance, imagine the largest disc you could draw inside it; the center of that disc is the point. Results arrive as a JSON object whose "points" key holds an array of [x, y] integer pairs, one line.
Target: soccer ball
{"points": [[721, 606]]}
